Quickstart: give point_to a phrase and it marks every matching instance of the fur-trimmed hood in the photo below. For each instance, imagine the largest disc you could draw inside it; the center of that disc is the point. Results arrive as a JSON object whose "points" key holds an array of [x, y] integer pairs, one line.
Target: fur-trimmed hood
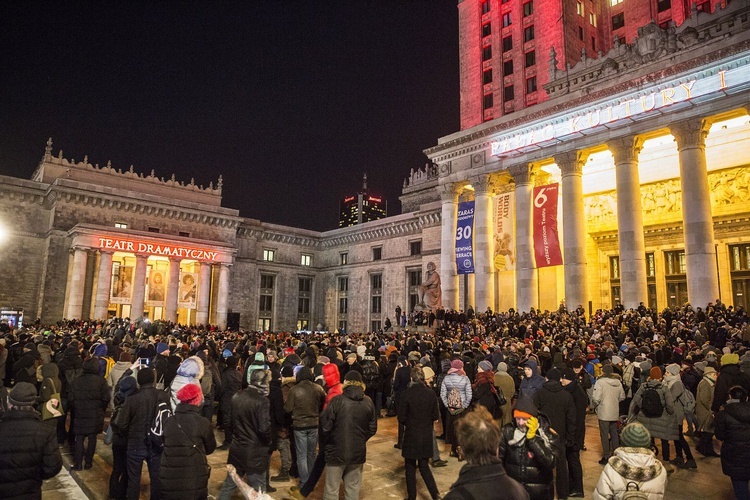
{"points": [[635, 464]]}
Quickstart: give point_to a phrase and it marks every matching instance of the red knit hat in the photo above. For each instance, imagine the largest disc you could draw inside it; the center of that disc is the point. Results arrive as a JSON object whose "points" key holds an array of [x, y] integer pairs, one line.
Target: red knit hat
{"points": [[191, 394]]}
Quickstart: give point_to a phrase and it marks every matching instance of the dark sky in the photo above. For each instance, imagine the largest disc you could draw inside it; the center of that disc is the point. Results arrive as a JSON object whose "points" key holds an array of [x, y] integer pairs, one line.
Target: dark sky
{"points": [[291, 101]]}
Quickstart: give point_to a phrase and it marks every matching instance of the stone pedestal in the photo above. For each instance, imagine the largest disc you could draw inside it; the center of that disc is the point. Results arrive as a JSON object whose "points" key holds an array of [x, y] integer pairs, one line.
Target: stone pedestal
{"points": [[103, 284], [448, 276], [527, 283], [484, 245]]}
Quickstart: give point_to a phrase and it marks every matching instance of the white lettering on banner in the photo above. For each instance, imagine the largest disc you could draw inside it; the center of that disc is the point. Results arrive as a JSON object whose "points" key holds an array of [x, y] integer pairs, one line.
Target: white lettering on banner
{"points": [[615, 112], [152, 249]]}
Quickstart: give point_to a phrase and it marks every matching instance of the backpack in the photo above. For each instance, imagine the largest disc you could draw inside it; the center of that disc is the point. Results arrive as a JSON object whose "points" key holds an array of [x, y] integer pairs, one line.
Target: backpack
{"points": [[455, 406], [688, 401], [155, 436], [651, 403], [598, 372], [633, 492]]}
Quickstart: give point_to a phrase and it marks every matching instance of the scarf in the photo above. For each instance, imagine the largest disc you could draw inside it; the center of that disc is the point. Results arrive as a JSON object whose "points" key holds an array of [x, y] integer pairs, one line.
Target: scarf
{"points": [[457, 371], [483, 378]]}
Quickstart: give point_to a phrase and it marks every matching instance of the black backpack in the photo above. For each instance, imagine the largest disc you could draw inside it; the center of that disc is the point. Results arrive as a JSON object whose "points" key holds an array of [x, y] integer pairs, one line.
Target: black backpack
{"points": [[155, 436], [651, 404]]}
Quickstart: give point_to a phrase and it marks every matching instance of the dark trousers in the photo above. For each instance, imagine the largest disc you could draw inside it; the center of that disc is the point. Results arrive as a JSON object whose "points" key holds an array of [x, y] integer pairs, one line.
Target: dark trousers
{"points": [[118, 481], [561, 472], [90, 449], [706, 443], [207, 410], [575, 470], [411, 477], [741, 491], [136, 457], [401, 429], [315, 473], [226, 420]]}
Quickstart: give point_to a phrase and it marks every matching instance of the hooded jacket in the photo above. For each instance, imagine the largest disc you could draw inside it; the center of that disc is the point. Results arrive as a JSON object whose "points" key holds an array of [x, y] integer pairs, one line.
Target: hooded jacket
{"points": [[89, 396], [532, 384], [662, 427], [346, 424], [558, 406], [729, 375], [333, 382], [190, 372], [50, 385], [631, 465], [251, 416], [608, 393], [733, 428]]}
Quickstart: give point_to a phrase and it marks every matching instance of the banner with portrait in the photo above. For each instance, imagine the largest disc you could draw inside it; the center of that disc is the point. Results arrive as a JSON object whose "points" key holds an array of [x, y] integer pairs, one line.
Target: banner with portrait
{"points": [[122, 284], [156, 291], [546, 240], [187, 291], [464, 238], [505, 236]]}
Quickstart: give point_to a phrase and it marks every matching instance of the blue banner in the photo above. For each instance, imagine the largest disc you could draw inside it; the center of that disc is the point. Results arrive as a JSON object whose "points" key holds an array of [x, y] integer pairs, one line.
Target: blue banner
{"points": [[464, 236]]}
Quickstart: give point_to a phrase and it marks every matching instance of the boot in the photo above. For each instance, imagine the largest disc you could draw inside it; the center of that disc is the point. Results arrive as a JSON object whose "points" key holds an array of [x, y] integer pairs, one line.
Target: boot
{"points": [[689, 464], [282, 476]]}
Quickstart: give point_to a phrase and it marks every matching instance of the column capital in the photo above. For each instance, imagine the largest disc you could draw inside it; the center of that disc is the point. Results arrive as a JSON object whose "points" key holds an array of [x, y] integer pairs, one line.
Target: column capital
{"points": [[571, 162], [690, 133], [448, 193], [625, 149], [522, 173], [141, 256], [482, 185]]}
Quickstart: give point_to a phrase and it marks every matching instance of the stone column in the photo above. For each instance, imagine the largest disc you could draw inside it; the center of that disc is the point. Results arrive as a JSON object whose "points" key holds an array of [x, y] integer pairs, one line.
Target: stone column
{"points": [[139, 286], [700, 249], [630, 221], [484, 245], [77, 283], [103, 285], [527, 283], [222, 300], [172, 290], [204, 291], [574, 228], [448, 276]]}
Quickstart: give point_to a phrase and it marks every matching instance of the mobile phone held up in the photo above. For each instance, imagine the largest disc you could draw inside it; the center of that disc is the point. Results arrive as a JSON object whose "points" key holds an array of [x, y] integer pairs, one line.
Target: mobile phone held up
{"points": [[144, 361]]}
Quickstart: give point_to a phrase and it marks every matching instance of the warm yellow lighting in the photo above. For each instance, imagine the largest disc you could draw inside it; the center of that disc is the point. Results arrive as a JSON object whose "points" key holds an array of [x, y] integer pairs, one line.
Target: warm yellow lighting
{"points": [[739, 121], [4, 234]]}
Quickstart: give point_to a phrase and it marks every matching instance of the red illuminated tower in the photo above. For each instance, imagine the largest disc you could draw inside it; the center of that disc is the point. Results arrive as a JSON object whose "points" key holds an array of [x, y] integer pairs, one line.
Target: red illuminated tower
{"points": [[505, 45]]}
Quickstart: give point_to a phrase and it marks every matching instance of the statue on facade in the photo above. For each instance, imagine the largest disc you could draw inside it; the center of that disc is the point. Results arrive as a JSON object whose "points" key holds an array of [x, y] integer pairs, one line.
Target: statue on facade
{"points": [[430, 292]]}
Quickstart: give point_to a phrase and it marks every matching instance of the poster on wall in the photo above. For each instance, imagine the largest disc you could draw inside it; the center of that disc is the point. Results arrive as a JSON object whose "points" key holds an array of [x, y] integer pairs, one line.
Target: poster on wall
{"points": [[187, 291], [464, 238], [505, 238], [546, 240], [157, 291], [122, 284]]}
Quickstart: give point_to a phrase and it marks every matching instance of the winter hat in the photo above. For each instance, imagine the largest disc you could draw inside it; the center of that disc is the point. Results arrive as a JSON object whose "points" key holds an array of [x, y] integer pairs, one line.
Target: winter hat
{"points": [[414, 356], [401, 359], [351, 355], [125, 356], [260, 379], [553, 374], [485, 365], [655, 373], [616, 360], [673, 369], [161, 347], [361, 350], [568, 374], [457, 364], [353, 375], [635, 435], [700, 366], [607, 370], [146, 376], [429, 374], [127, 386], [525, 408], [730, 359], [424, 361], [502, 366], [304, 373], [190, 394], [445, 364], [22, 394]]}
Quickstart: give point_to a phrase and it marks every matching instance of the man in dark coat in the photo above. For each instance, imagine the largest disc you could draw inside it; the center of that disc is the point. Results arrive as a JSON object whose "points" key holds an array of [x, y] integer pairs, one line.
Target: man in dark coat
{"points": [[89, 396], [557, 404], [570, 383], [401, 380], [346, 424], [483, 476], [733, 428], [729, 375], [231, 384], [24, 369], [28, 448], [251, 441], [418, 412], [71, 367]]}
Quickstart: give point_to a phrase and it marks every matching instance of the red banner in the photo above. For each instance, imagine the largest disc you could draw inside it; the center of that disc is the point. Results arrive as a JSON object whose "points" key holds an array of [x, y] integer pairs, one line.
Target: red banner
{"points": [[546, 241]]}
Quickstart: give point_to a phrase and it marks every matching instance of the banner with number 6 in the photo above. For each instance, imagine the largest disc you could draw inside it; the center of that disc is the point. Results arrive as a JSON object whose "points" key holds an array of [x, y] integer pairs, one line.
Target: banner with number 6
{"points": [[464, 245], [546, 240]]}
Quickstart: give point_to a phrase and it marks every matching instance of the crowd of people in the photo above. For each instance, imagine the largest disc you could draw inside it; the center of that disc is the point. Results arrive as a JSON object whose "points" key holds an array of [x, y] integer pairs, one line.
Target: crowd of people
{"points": [[510, 390]]}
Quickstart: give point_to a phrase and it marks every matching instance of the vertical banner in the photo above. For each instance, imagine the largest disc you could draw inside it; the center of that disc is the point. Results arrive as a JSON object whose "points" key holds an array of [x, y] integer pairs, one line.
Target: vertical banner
{"points": [[122, 284], [546, 241], [464, 236], [505, 239], [187, 291], [156, 289]]}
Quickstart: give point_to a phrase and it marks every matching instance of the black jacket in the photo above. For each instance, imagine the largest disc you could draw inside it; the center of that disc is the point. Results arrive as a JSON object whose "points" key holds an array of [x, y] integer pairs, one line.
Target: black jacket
{"points": [[251, 416], [137, 414], [531, 463], [557, 404], [733, 428], [71, 367], [418, 411], [28, 454], [486, 481], [580, 401], [89, 396], [729, 376], [346, 424], [184, 469]]}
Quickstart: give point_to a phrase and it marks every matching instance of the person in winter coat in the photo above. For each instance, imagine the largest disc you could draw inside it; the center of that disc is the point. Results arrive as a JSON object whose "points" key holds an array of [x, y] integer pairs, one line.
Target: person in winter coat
{"points": [[89, 396], [188, 438], [505, 383], [531, 381], [527, 450], [483, 476], [729, 376], [249, 451], [116, 373], [418, 412], [373, 378], [51, 384], [569, 381], [703, 402], [658, 426], [673, 382], [24, 369], [190, 372], [231, 384], [455, 382], [305, 402], [558, 406], [608, 393], [483, 388], [633, 467], [28, 448], [733, 428], [346, 424], [401, 378], [118, 480]]}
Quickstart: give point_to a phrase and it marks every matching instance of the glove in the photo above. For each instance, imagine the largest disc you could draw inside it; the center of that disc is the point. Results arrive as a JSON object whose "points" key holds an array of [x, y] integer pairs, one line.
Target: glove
{"points": [[532, 425]]}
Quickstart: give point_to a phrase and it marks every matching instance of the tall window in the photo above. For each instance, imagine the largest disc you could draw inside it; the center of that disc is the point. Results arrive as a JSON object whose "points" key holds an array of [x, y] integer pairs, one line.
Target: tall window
{"points": [[303, 301], [486, 6], [531, 85], [343, 284], [675, 262], [508, 93], [487, 77], [579, 8], [269, 255], [486, 29], [343, 258], [530, 59], [528, 33], [487, 53], [507, 20], [614, 267], [343, 306], [488, 101], [528, 9], [508, 67], [414, 279], [662, 5], [618, 21], [265, 306], [592, 19], [507, 43], [580, 32]]}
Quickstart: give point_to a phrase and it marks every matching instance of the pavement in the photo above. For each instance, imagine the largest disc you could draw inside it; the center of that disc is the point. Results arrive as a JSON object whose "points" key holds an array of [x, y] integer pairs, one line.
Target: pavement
{"points": [[384, 472]]}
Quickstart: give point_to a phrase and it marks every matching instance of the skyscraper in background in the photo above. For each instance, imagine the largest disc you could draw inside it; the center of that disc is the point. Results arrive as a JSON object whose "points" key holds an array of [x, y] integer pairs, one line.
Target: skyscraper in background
{"points": [[362, 207]]}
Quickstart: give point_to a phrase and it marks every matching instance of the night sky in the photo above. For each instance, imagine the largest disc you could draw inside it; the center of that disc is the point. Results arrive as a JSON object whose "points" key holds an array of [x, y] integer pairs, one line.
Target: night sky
{"points": [[291, 101]]}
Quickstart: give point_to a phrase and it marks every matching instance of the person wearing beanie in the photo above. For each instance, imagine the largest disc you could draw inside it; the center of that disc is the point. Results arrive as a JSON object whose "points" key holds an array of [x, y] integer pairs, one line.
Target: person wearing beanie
{"points": [[191, 371], [188, 438], [89, 396], [605, 401], [557, 404], [118, 479], [29, 452], [730, 375], [456, 394], [133, 422], [483, 389], [116, 373], [653, 406], [527, 450], [507, 385], [633, 462], [684, 403], [304, 403]]}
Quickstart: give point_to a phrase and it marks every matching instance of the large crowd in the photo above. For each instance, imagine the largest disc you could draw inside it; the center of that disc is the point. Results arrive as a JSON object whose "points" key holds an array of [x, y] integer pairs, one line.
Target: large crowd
{"points": [[510, 390]]}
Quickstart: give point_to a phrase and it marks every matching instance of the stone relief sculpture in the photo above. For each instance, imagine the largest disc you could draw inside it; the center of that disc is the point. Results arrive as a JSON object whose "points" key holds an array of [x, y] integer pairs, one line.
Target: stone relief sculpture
{"points": [[430, 291]]}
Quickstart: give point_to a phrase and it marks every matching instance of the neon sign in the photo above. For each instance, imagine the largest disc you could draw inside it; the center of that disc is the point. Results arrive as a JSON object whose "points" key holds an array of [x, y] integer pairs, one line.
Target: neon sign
{"points": [[372, 198], [348, 199], [621, 111], [123, 245]]}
